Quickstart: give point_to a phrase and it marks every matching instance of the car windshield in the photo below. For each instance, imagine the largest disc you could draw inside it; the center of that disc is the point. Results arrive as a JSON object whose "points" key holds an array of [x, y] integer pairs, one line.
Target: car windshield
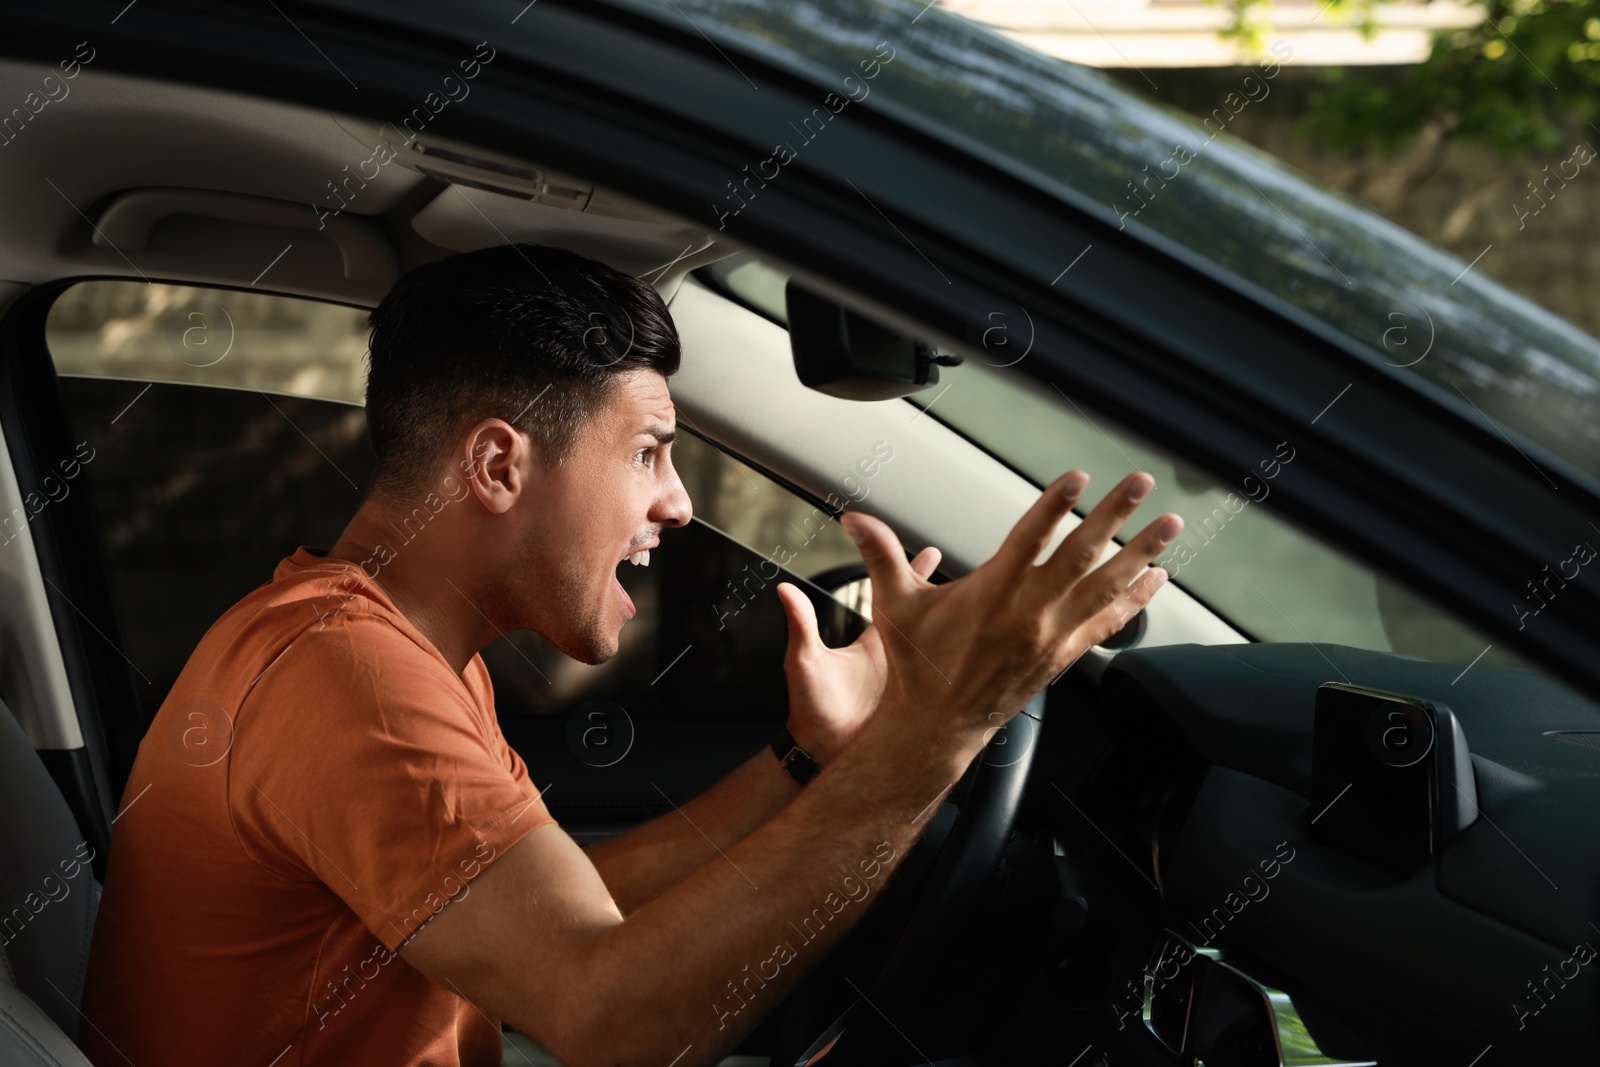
{"points": [[1261, 574], [1531, 374]]}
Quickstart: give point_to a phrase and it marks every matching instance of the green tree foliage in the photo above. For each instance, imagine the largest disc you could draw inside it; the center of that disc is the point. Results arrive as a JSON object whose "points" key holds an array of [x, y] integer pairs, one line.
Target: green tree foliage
{"points": [[1518, 81]]}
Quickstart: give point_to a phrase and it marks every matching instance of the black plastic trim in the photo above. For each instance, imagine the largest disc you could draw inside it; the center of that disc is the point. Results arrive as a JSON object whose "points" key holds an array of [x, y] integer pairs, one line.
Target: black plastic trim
{"points": [[77, 588], [71, 771]]}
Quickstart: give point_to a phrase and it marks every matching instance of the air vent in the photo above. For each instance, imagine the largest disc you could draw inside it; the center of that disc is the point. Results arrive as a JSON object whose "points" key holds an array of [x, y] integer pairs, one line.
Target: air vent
{"points": [[1585, 738]]}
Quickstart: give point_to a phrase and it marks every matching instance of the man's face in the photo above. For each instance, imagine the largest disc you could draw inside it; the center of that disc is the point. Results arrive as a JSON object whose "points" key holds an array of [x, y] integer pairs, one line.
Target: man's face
{"points": [[608, 501]]}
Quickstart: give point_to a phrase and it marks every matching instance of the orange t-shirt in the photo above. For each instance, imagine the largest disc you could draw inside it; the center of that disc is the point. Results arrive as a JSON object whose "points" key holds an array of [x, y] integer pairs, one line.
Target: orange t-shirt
{"points": [[317, 786]]}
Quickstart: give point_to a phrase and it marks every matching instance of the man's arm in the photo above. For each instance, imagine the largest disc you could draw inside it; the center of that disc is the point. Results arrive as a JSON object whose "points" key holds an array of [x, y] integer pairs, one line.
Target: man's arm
{"points": [[540, 942], [648, 860]]}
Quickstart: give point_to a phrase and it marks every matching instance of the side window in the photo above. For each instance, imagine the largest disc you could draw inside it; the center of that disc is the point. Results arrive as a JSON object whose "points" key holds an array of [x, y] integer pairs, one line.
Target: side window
{"points": [[213, 337], [1266, 577], [228, 430]]}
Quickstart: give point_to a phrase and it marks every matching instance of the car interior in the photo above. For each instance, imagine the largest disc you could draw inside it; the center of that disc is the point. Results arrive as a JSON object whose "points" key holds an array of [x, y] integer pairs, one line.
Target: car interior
{"points": [[183, 342]]}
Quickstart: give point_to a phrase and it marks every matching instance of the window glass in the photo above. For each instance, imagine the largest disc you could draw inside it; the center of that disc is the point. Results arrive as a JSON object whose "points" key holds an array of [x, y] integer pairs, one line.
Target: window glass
{"points": [[198, 492], [1152, 167], [1257, 571], [1261, 574], [180, 333]]}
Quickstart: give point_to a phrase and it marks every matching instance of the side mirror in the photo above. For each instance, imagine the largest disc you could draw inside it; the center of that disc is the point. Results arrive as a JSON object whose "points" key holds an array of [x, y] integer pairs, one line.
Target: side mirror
{"points": [[846, 355]]}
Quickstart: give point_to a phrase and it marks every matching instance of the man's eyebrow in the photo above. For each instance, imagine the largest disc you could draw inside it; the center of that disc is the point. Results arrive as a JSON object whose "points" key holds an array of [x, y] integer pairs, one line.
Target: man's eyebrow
{"points": [[660, 433]]}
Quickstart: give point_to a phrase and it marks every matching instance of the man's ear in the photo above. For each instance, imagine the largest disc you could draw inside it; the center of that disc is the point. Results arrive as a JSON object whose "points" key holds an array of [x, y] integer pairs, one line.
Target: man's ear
{"points": [[494, 463]]}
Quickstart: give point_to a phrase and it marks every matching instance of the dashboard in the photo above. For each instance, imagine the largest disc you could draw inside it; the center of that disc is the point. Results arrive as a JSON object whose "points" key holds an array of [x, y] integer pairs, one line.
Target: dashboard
{"points": [[1182, 807]]}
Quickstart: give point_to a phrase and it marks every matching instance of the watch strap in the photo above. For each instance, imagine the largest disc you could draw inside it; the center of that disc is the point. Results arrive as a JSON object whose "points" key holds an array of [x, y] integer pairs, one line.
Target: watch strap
{"points": [[794, 759]]}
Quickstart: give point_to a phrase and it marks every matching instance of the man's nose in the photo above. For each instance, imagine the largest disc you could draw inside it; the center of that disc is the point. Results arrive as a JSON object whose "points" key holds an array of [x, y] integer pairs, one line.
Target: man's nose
{"points": [[673, 507]]}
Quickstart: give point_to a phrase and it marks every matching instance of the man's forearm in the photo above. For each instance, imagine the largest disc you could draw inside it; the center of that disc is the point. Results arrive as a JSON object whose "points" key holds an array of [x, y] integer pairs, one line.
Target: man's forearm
{"points": [[702, 963], [648, 860]]}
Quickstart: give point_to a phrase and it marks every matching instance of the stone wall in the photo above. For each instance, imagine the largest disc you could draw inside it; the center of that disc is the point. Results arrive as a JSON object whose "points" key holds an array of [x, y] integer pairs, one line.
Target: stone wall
{"points": [[1463, 197]]}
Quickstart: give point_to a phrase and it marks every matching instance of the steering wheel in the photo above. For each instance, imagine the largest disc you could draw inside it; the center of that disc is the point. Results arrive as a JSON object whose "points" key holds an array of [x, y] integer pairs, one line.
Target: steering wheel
{"points": [[990, 797]]}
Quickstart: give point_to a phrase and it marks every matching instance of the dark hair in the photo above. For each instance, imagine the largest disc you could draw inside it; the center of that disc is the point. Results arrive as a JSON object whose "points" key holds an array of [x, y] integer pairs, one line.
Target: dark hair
{"points": [[535, 335]]}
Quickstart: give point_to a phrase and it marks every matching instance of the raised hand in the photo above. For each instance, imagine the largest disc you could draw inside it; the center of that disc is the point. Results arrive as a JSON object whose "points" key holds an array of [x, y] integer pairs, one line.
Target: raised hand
{"points": [[965, 656], [832, 691]]}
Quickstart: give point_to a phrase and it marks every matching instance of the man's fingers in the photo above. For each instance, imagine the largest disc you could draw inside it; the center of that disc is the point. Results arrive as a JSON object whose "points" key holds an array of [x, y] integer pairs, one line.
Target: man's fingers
{"points": [[1082, 548], [1038, 524], [1149, 543], [1108, 584], [882, 552], [1128, 603], [926, 562], [801, 616]]}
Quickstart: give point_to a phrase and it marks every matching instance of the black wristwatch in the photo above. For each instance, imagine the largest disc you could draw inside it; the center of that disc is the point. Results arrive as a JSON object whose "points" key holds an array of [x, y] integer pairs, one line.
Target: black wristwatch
{"points": [[794, 759]]}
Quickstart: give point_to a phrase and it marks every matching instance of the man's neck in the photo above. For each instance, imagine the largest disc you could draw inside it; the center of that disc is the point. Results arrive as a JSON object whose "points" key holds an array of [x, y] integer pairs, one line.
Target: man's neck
{"points": [[420, 583]]}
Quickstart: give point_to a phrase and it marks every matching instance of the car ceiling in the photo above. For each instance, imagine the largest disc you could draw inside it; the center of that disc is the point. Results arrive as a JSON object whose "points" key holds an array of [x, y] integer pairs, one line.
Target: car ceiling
{"points": [[176, 171]]}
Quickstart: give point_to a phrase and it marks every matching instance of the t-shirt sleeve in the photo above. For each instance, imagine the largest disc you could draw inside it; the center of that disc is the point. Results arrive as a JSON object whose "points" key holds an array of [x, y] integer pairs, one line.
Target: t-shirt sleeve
{"points": [[359, 760]]}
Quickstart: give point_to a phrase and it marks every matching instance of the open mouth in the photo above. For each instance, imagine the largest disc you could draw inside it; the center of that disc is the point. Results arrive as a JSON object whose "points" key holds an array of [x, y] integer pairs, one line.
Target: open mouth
{"points": [[622, 594], [639, 557]]}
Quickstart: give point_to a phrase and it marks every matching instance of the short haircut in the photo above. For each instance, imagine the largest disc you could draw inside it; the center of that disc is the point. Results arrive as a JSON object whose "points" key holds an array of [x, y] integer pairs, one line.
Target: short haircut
{"points": [[535, 335]]}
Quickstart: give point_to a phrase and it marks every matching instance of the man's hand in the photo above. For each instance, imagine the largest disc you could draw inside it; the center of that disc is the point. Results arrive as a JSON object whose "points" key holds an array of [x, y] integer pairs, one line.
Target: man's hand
{"points": [[979, 647], [832, 691]]}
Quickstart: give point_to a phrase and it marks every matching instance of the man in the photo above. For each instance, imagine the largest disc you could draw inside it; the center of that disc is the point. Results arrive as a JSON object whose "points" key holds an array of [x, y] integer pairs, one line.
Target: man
{"points": [[334, 857]]}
